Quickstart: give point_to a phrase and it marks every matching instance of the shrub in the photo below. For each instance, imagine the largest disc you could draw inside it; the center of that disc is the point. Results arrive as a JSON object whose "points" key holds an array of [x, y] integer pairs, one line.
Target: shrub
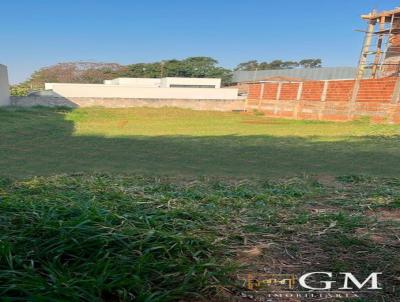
{"points": [[19, 90]]}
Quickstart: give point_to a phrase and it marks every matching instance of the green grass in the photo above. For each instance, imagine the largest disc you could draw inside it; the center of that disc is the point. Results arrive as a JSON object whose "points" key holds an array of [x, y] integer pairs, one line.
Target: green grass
{"points": [[187, 143], [169, 204], [113, 238]]}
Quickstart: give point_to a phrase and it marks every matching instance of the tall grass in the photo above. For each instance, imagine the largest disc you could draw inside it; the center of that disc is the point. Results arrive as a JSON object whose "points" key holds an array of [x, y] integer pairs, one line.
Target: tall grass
{"points": [[125, 238], [93, 239]]}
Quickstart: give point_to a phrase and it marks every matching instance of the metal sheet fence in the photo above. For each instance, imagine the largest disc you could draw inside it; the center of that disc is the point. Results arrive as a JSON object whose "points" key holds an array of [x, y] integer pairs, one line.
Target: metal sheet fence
{"points": [[324, 73]]}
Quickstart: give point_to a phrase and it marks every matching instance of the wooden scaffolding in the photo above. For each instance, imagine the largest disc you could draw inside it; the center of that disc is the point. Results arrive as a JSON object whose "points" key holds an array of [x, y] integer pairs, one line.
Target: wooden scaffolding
{"points": [[381, 48]]}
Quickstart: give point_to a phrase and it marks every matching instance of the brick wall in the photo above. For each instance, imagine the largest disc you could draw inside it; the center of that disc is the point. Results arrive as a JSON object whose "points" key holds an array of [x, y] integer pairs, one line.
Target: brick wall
{"points": [[289, 91], [270, 90], [391, 62], [254, 91], [328, 100], [340, 90], [312, 91], [380, 90]]}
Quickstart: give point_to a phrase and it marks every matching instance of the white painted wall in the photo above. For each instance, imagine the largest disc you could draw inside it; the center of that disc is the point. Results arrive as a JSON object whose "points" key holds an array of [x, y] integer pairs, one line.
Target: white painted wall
{"points": [[118, 91], [48, 86], [134, 82], [4, 86], [167, 82], [163, 82]]}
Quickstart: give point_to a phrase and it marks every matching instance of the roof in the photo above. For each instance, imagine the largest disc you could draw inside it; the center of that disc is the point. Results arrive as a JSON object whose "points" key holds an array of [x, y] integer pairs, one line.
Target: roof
{"points": [[282, 79], [323, 73]]}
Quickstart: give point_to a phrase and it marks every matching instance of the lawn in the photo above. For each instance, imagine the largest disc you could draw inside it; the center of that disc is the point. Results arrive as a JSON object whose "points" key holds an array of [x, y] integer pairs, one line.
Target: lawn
{"points": [[176, 205], [187, 143], [113, 238]]}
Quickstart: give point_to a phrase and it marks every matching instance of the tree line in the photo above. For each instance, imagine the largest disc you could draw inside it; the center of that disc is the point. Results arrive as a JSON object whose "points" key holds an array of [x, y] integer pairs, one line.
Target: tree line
{"points": [[278, 64], [95, 73]]}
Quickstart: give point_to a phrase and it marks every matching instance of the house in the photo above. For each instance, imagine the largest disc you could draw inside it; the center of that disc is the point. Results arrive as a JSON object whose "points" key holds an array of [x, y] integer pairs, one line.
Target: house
{"points": [[169, 82], [147, 88]]}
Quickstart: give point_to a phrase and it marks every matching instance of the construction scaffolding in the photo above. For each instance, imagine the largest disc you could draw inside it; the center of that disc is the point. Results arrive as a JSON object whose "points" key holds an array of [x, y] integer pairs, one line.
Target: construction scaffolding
{"points": [[381, 48]]}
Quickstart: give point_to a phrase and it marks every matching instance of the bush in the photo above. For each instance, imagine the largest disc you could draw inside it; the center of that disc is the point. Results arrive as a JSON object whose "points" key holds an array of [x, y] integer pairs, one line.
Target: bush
{"points": [[19, 90]]}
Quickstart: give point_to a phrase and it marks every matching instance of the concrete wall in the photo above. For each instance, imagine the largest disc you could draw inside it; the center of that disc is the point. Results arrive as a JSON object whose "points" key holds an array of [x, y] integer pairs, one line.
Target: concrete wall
{"points": [[164, 82], [340, 100], [134, 82], [4, 86], [167, 82], [116, 91], [213, 105]]}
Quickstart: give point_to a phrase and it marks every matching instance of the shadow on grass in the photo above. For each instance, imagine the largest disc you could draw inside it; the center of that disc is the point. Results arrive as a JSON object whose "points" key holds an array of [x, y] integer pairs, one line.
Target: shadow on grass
{"points": [[41, 142]]}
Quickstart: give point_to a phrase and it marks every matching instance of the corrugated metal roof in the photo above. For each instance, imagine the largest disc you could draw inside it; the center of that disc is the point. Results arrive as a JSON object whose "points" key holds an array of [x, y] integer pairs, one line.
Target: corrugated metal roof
{"points": [[323, 73]]}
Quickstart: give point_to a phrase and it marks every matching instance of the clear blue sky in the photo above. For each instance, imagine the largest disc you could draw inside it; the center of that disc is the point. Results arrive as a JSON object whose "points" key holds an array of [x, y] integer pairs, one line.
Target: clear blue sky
{"points": [[42, 32]]}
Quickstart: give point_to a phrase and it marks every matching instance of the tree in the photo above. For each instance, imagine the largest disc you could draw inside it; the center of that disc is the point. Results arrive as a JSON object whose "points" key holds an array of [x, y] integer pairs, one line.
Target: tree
{"points": [[195, 67], [247, 66], [277, 64], [89, 72], [311, 63], [289, 64], [142, 70], [74, 72]]}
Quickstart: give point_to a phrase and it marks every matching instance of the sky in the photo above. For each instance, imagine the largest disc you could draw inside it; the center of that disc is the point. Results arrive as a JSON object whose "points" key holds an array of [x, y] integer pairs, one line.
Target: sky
{"points": [[38, 33]]}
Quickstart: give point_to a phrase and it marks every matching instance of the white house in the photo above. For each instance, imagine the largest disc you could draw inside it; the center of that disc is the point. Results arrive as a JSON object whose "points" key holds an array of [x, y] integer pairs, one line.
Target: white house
{"points": [[168, 82], [145, 88], [134, 82]]}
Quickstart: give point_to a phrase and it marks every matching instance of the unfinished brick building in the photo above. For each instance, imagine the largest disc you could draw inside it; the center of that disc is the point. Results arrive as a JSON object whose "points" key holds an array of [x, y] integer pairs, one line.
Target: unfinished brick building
{"points": [[381, 49], [375, 94]]}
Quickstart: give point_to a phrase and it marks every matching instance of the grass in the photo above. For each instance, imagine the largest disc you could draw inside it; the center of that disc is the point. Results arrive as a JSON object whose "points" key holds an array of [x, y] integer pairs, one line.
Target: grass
{"points": [[120, 238], [189, 143], [169, 204]]}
